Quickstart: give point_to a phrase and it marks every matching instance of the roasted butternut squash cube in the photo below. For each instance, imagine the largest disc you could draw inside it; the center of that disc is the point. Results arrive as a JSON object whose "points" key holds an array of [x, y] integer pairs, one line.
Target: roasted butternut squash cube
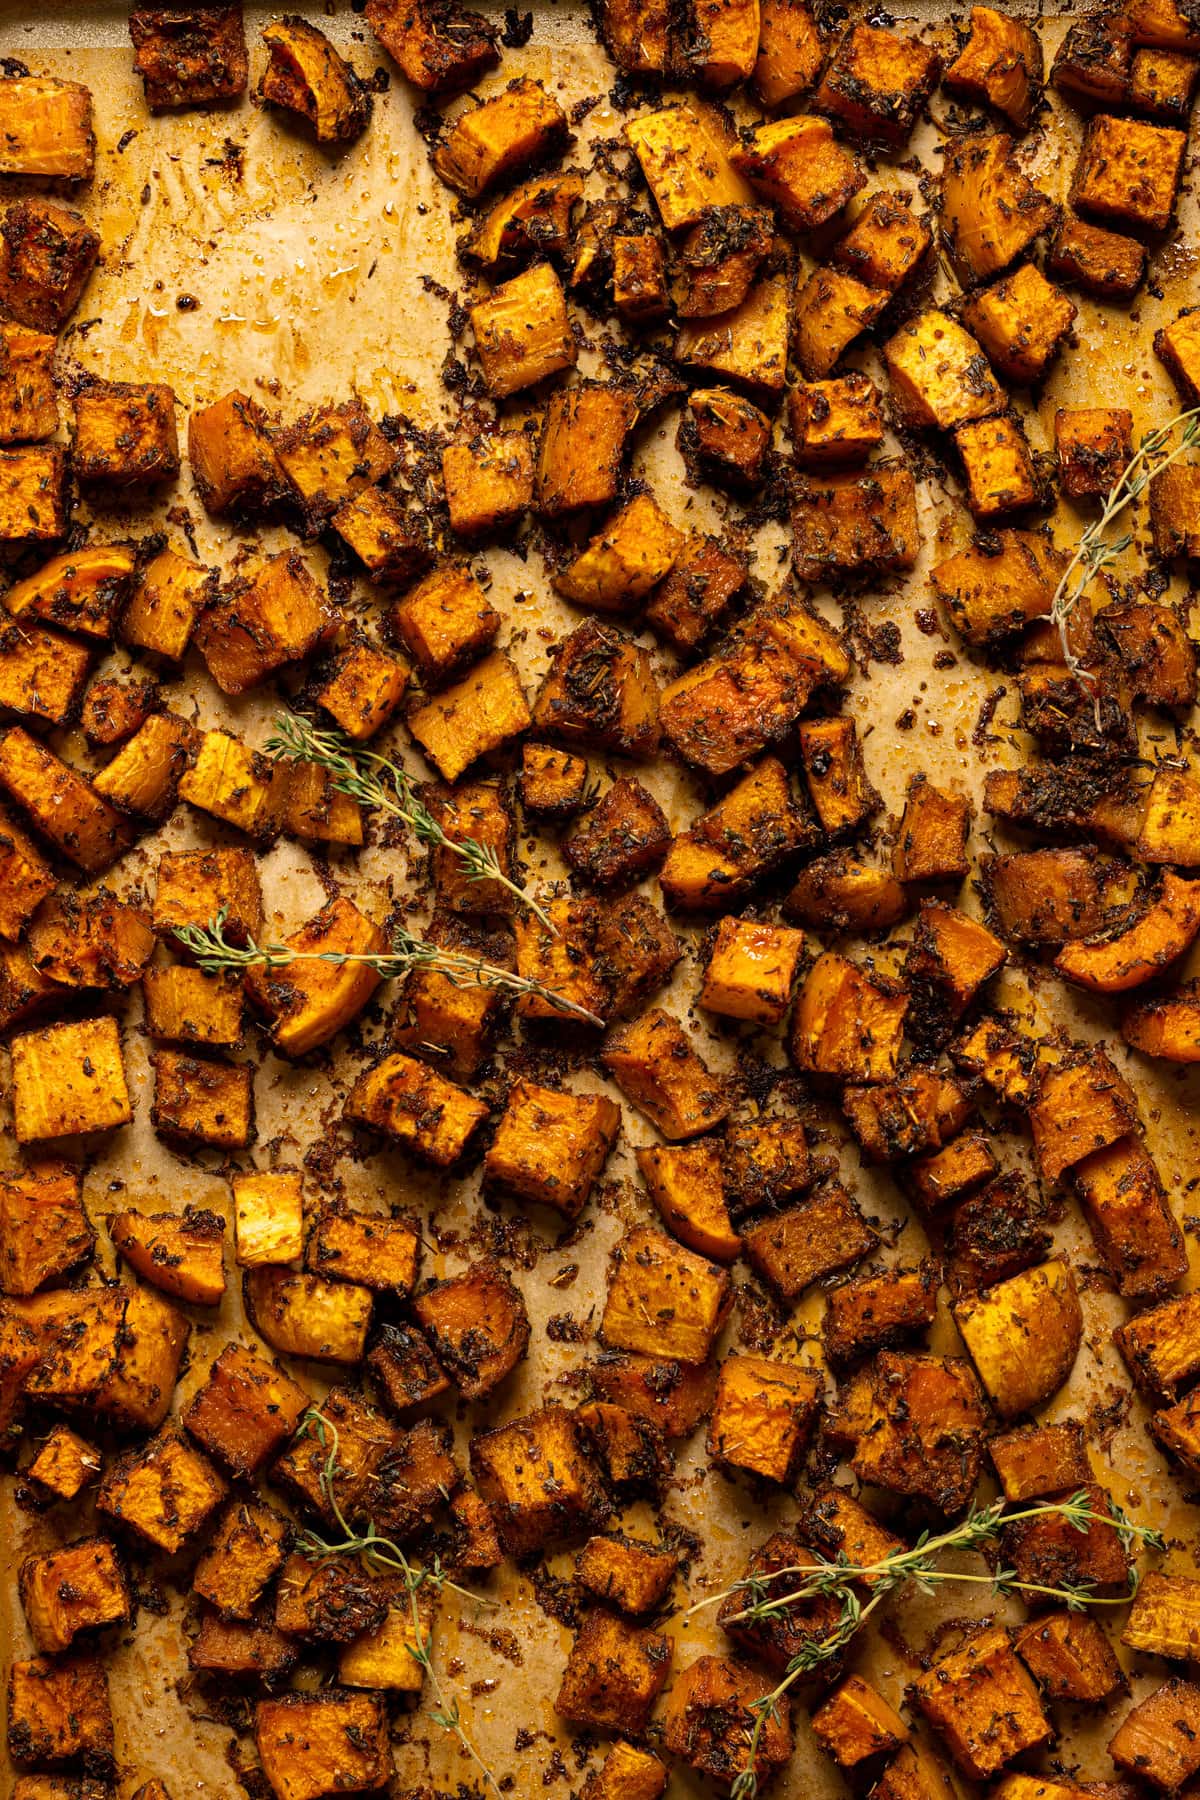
{"points": [[861, 523], [1021, 322], [627, 1774], [1164, 1619], [1000, 583], [997, 1231], [790, 51], [79, 1334], [391, 544], [232, 458], [245, 1410], [630, 1449], [46, 128], [791, 1630], [450, 1024], [1161, 1347], [260, 623], [406, 1371], [67, 1079], [523, 332], [236, 785], [668, 1395], [305, 1315], [876, 83], [76, 1588], [653, 1063], [137, 1391], [600, 693], [1001, 475], [42, 675], [917, 1425], [1168, 833], [493, 141], [621, 840], [125, 434], [362, 688], [169, 595], [386, 1656], [328, 456], [1092, 63], [1000, 65], [794, 1248], [582, 447], [1177, 346], [950, 958], [180, 1253], [247, 1551], [1159, 1740], [476, 714], [635, 34], [765, 1162], [163, 1491], [1175, 511], [488, 482], [991, 211], [840, 892], [687, 1184], [751, 971], [938, 376], [836, 775], [417, 1108], [629, 1574], [1049, 1549], [563, 958], [28, 399], [878, 1312], [623, 561], [328, 1602], [44, 1228], [1082, 1106], [722, 42], [47, 254], [762, 1415], [847, 1024], [798, 165], [114, 710], [445, 619], [316, 810], [59, 1714], [919, 1111], [195, 885], [1168, 1028], [550, 1146], [982, 1703], [856, 1722], [686, 163], [439, 45], [268, 1208], [725, 436], [311, 1001], [615, 1672], [33, 498], [1070, 1658], [189, 55], [26, 879], [748, 344], [201, 1102], [1052, 896], [1176, 1430], [314, 1744], [534, 218], [704, 578], [718, 259], [739, 840], [241, 1651], [372, 1250], [305, 75], [21, 1351], [835, 422], [1129, 172], [1101, 262], [1093, 446], [478, 1327], [885, 245], [64, 1465], [663, 1299], [640, 292], [711, 1713], [1023, 1335], [539, 1480], [1161, 24], [932, 845], [637, 951]]}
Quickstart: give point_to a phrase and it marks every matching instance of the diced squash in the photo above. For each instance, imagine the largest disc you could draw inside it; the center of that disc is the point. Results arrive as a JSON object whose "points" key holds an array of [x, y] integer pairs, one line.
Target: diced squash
{"points": [[180, 1253], [1000, 64], [305, 75], [825, 1233], [1070, 1658], [847, 1024], [1159, 1741], [64, 807], [475, 715], [262, 622], [305, 1315], [236, 785], [748, 344], [938, 374], [876, 82], [245, 1410], [1101, 262], [46, 128], [445, 619], [751, 971], [233, 461], [859, 523], [762, 1415], [1023, 1335], [1168, 1028], [856, 1722], [314, 1744], [67, 1079], [686, 164], [1001, 475], [983, 1704], [748, 832], [991, 211], [1093, 444], [138, 1391], [654, 1064], [798, 165], [493, 141], [1129, 172], [362, 689], [632, 554], [201, 1102], [311, 1001], [438, 45], [835, 422], [125, 434], [687, 1184], [65, 1464], [76, 1588], [164, 1491], [917, 1426], [183, 62], [1082, 1106], [417, 1108], [538, 1479], [710, 1714], [1021, 322], [663, 1299], [477, 1326], [59, 1715], [522, 331], [550, 1146], [790, 51], [842, 795], [600, 693]]}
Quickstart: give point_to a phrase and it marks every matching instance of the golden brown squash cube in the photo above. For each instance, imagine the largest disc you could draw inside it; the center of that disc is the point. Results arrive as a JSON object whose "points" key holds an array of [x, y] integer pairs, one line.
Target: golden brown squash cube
{"points": [[630, 1448], [917, 1425], [268, 1210], [143, 778], [937, 376], [1177, 345], [582, 447], [621, 840], [488, 482], [1021, 323], [982, 1703], [623, 561], [950, 959], [138, 1390], [600, 693], [240, 1650], [28, 398], [1082, 1105], [885, 245], [236, 785], [407, 1372], [991, 211], [189, 55], [368, 1249], [315, 809], [391, 544], [478, 713], [195, 885], [876, 83], [26, 878], [362, 688], [717, 261], [1093, 444], [79, 1335], [535, 218], [932, 845], [766, 1162], [614, 1674], [328, 1602], [1159, 1740], [751, 971], [1023, 1335], [417, 1108], [856, 524], [261, 622], [790, 51], [878, 1312], [67, 1079], [183, 1254], [232, 459], [686, 164], [1162, 83], [1161, 1347], [999, 469], [627, 1774], [1131, 1219], [704, 578], [563, 958], [1168, 831], [1070, 1658], [33, 501], [740, 839], [794, 1248], [305, 75], [1129, 172], [798, 165], [169, 595], [856, 1722], [1000, 64], [1175, 511], [710, 1714], [23, 991], [478, 1327], [445, 619], [762, 1415], [1092, 63], [73, 1589], [47, 254], [640, 292], [113, 709], [630, 1575], [664, 1300], [637, 951], [722, 42], [438, 45], [247, 1551], [387, 1656], [304, 1315], [901, 1118], [46, 128], [725, 437], [1000, 583], [653, 1063], [523, 332], [550, 1147], [748, 344], [448, 1023], [1164, 1619], [839, 892], [836, 775], [125, 434], [496, 139], [1169, 1029], [65, 1464], [538, 1479], [201, 1102], [245, 1410], [848, 1024], [1101, 262], [164, 1491], [315, 1744], [59, 1715], [687, 1184], [328, 456], [1161, 24], [42, 675], [835, 422], [635, 34], [1051, 896], [311, 1001]]}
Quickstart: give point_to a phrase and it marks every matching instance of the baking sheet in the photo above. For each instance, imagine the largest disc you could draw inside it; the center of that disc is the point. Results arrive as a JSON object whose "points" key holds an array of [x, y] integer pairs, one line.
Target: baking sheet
{"points": [[308, 270]]}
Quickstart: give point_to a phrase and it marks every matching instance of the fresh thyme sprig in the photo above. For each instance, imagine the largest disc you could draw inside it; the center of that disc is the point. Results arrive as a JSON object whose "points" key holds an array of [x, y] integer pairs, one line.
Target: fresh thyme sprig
{"points": [[1096, 550], [835, 1579], [214, 952], [380, 1552], [377, 781]]}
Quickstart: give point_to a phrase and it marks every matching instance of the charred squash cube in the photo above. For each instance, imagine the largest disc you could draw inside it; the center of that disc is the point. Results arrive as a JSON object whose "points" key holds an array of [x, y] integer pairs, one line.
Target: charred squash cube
{"points": [[163, 1491], [842, 891], [316, 999], [766, 1162], [47, 254], [1175, 511], [998, 465], [539, 1480], [1000, 64], [652, 1061], [236, 785], [856, 1723], [478, 1327], [232, 459], [728, 849], [876, 83], [259, 623], [798, 165], [790, 51], [330, 455], [687, 1184], [550, 1147], [629, 1574], [169, 595], [703, 579], [448, 1023], [762, 1415], [189, 55], [751, 971], [1049, 1549], [28, 400], [727, 435], [877, 1312], [999, 584], [246, 1553], [719, 258], [416, 1107], [553, 782], [562, 958], [981, 1701], [439, 45], [445, 619], [33, 500], [630, 1449], [1159, 1741], [202, 1102], [791, 1249], [665, 1394], [76, 1588], [522, 332], [406, 1371], [1164, 1619], [1023, 1335], [475, 715], [710, 1715], [917, 1425], [600, 693], [390, 544], [1093, 444], [534, 218], [836, 775], [181, 1253], [635, 34], [1093, 62], [1021, 323], [328, 1602], [1161, 1347], [46, 128], [847, 1024], [371, 1250], [991, 211], [1070, 1658], [637, 950], [42, 675], [627, 1774], [142, 780], [79, 1335], [1129, 172], [59, 1714], [919, 1111], [886, 243], [856, 524], [125, 434], [1082, 1106], [932, 845], [67, 1079], [305, 75], [1101, 262], [241, 1650], [245, 1410], [663, 1299], [362, 688], [621, 841], [314, 1744], [488, 482], [195, 885], [628, 557], [614, 1674], [640, 291]]}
